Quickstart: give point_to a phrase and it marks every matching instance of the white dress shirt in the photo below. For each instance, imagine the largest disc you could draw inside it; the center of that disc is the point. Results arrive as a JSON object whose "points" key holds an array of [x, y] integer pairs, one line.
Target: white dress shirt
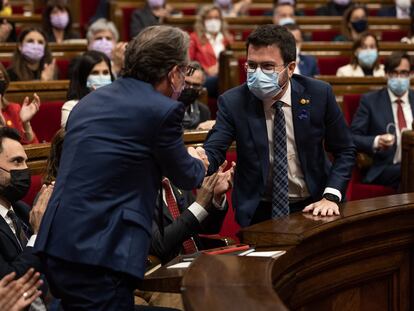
{"points": [[298, 189], [402, 13], [217, 43]]}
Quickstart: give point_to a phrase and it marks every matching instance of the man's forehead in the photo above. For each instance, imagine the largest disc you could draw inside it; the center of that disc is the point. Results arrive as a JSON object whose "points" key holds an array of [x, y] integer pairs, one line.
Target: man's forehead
{"points": [[12, 149], [196, 77], [272, 52]]}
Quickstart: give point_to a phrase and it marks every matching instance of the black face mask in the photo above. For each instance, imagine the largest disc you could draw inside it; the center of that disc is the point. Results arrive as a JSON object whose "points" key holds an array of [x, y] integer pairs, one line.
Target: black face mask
{"points": [[2, 87], [188, 96], [360, 25], [19, 185]]}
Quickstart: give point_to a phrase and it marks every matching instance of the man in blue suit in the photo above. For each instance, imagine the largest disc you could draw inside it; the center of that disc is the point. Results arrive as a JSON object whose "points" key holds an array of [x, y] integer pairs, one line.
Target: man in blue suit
{"points": [[313, 124], [380, 118], [401, 9], [120, 140]]}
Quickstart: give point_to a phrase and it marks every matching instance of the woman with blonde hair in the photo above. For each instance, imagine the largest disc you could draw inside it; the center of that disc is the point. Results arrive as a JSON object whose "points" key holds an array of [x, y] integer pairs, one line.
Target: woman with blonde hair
{"points": [[209, 39]]}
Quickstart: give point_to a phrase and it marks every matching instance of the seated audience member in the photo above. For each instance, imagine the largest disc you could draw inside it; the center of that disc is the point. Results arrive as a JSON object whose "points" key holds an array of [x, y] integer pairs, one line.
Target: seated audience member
{"points": [[401, 9], [5, 8], [208, 40], [32, 59], [186, 216], [53, 161], [354, 22], [197, 114], [17, 295], [57, 22], [381, 117], [92, 71], [364, 59], [334, 8], [16, 250], [410, 38], [307, 65], [152, 14], [7, 29], [228, 9], [283, 14], [15, 115]]}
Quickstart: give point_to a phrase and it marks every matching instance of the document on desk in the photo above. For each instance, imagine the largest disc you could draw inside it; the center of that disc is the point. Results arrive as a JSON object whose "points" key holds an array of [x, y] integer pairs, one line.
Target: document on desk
{"points": [[180, 265], [272, 254]]}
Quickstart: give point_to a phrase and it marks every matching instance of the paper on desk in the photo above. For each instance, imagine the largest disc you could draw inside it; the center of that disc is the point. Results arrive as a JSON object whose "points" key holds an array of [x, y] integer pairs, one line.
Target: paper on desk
{"points": [[273, 254], [180, 265]]}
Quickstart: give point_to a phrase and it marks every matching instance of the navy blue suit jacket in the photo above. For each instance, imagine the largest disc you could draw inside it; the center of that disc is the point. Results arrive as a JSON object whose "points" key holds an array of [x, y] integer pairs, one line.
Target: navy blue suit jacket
{"points": [[308, 65], [371, 119], [316, 124], [391, 11], [120, 140]]}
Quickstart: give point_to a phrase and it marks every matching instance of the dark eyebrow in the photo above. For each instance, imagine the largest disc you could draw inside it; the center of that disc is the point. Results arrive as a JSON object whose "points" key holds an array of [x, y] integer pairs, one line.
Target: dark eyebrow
{"points": [[18, 158]]}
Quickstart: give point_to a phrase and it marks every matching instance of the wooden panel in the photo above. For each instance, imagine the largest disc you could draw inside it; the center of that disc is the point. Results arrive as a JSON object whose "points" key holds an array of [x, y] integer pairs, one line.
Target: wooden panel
{"points": [[407, 163], [47, 90]]}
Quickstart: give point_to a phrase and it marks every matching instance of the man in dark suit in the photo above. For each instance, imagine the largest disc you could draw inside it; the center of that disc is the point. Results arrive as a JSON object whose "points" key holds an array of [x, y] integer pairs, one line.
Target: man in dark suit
{"points": [[151, 14], [308, 123], [203, 214], [119, 141], [306, 64], [334, 8], [16, 252], [401, 9], [380, 118]]}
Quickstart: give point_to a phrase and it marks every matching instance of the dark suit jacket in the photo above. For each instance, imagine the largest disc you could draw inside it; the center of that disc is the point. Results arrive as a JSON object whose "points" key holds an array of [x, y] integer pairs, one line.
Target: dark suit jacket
{"points": [[12, 257], [185, 226], [120, 140], [391, 11], [316, 124], [371, 119], [331, 9], [308, 65], [140, 19]]}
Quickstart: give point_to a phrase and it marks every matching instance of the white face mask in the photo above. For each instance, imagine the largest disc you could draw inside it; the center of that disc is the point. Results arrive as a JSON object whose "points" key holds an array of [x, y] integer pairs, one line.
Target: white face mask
{"points": [[213, 25], [342, 2], [403, 4], [98, 81]]}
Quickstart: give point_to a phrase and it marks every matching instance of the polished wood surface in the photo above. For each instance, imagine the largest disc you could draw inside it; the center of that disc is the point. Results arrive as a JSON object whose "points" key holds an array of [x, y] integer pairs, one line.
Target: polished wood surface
{"points": [[361, 260], [47, 90]]}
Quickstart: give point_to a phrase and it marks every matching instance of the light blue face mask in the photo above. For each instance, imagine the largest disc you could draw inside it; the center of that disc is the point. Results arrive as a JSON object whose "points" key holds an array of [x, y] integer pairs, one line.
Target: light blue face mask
{"points": [[398, 85], [264, 85], [98, 81], [367, 57], [286, 21]]}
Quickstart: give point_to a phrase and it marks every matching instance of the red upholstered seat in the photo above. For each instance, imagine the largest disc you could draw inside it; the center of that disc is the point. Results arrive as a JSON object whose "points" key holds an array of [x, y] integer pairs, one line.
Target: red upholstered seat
{"points": [[62, 65], [126, 21], [47, 121], [356, 189], [329, 65], [87, 10], [260, 12], [394, 34], [34, 189], [324, 34]]}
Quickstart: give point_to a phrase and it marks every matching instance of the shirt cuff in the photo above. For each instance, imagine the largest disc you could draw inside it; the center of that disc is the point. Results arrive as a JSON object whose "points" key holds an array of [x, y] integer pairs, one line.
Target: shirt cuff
{"points": [[375, 144], [334, 192], [32, 241], [222, 206], [198, 211]]}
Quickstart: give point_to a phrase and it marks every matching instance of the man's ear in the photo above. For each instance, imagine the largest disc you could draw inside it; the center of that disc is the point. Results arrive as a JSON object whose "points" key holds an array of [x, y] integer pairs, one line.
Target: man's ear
{"points": [[291, 68]]}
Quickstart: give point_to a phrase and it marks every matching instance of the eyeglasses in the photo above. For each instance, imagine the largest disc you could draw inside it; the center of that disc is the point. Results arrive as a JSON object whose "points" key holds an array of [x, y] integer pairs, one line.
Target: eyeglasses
{"points": [[267, 68], [402, 74], [194, 86], [189, 70]]}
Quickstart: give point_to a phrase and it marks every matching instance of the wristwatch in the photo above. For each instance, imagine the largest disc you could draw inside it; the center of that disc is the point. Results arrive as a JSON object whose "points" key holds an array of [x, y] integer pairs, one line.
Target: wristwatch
{"points": [[331, 197]]}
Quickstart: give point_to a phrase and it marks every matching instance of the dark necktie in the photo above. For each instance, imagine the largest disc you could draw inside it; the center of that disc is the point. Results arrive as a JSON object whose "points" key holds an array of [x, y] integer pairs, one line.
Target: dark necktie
{"points": [[188, 245], [400, 115], [18, 228], [280, 196]]}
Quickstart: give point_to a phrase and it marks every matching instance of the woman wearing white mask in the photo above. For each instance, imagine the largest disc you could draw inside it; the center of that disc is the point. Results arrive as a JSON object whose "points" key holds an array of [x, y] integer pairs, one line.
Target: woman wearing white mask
{"points": [[57, 23], [364, 59], [208, 40], [92, 72], [32, 59]]}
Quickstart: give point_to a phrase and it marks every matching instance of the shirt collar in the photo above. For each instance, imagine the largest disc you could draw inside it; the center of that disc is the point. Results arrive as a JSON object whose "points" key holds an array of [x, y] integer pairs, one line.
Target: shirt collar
{"points": [[218, 38], [4, 210], [393, 97]]}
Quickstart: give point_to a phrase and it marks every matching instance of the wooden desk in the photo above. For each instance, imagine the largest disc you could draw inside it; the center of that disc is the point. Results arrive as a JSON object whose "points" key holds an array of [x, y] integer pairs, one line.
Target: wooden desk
{"points": [[47, 90], [361, 260]]}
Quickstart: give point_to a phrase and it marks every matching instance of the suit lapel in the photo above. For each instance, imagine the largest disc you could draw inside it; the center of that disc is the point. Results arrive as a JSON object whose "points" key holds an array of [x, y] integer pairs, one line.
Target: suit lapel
{"points": [[300, 117], [4, 227], [257, 124], [387, 108], [411, 100]]}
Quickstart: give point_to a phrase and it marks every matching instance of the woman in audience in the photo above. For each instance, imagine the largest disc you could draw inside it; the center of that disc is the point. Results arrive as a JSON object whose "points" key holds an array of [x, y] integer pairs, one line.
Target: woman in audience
{"points": [[16, 115], [410, 38], [364, 59], [230, 9], [32, 59], [208, 40], [57, 22], [52, 165], [354, 22], [92, 71]]}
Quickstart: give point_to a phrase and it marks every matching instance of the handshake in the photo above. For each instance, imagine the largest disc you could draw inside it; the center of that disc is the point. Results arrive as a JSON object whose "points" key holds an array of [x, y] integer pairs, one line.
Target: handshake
{"points": [[199, 153]]}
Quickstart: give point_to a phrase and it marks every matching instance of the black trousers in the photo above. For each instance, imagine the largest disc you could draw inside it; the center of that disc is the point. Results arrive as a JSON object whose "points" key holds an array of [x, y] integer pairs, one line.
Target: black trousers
{"points": [[264, 210]]}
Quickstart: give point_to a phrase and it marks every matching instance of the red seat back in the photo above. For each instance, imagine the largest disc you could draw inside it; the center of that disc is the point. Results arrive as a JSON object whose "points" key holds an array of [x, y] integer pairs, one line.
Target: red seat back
{"points": [[325, 34], [126, 22], [394, 34], [329, 65], [62, 65], [87, 10], [47, 120], [350, 106]]}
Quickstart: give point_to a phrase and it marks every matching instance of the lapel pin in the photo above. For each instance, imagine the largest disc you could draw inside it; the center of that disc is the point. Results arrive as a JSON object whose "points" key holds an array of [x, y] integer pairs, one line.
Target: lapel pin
{"points": [[304, 101]]}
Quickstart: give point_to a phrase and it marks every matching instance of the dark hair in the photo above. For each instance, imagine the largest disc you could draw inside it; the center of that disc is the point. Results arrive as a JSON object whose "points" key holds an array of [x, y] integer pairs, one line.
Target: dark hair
{"points": [[358, 43], [19, 63], [47, 25], [154, 52], [280, 36], [346, 18], [394, 60], [84, 65], [8, 132], [52, 165]]}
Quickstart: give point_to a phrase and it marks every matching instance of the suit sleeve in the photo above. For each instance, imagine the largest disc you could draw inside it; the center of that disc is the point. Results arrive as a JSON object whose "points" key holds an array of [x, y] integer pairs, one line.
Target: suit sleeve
{"points": [[220, 137], [360, 127], [24, 261], [183, 170], [338, 141]]}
